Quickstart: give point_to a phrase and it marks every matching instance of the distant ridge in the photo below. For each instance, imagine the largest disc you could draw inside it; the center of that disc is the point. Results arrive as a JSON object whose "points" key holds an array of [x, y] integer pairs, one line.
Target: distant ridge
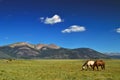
{"points": [[113, 55], [23, 50]]}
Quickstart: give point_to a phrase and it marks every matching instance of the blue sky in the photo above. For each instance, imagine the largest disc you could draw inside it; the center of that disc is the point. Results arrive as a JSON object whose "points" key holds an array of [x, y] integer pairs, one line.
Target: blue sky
{"points": [[67, 23]]}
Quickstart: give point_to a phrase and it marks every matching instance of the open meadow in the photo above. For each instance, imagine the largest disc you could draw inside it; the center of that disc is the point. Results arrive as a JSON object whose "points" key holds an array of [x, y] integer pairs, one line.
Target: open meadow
{"points": [[56, 70]]}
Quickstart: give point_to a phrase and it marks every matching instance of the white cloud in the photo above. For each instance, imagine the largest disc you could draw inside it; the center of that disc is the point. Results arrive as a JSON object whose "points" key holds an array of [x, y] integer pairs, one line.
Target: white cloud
{"points": [[74, 28], [53, 20], [118, 30], [41, 18]]}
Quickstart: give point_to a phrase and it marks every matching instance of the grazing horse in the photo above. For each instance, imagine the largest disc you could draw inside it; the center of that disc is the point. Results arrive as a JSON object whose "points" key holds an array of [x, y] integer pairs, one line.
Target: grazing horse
{"points": [[9, 60], [88, 64], [99, 63]]}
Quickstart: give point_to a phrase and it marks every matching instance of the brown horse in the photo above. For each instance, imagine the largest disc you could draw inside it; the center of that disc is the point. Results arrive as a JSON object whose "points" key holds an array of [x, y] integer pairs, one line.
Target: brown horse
{"points": [[99, 63]]}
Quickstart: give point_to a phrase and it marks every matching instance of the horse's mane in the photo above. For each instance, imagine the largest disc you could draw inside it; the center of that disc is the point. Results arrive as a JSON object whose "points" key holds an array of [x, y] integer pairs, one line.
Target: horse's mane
{"points": [[85, 63], [98, 61]]}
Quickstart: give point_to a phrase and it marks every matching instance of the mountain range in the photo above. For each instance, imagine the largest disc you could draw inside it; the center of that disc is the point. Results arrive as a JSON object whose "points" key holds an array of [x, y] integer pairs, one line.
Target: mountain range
{"points": [[23, 50], [115, 55]]}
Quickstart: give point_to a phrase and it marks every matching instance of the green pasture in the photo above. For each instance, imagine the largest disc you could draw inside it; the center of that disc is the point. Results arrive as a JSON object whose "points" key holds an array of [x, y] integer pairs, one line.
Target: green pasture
{"points": [[56, 70]]}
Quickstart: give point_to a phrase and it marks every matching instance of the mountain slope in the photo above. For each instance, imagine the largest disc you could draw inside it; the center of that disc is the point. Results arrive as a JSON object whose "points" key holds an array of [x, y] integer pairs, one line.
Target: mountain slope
{"points": [[3, 55], [80, 53], [114, 55], [22, 51], [52, 51]]}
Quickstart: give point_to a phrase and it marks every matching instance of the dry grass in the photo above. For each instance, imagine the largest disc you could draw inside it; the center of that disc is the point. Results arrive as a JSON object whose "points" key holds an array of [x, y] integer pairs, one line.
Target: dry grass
{"points": [[56, 70]]}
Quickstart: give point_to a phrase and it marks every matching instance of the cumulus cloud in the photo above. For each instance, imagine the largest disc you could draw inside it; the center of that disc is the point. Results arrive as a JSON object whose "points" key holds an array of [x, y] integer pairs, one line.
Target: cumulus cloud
{"points": [[53, 20], [118, 30], [74, 28]]}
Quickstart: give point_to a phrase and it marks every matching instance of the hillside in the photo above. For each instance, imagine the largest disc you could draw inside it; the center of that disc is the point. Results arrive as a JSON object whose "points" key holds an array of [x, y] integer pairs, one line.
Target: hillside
{"points": [[79, 53], [40, 51], [113, 55], [3, 55]]}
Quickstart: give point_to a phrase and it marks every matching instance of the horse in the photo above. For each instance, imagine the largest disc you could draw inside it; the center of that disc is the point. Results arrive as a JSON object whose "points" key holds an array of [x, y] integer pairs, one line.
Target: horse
{"points": [[98, 63], [9, 60], [88, 64]]}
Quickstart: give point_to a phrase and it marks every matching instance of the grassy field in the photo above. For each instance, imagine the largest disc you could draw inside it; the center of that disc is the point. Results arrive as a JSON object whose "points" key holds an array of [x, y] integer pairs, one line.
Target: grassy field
{"points": [[56, 70]]}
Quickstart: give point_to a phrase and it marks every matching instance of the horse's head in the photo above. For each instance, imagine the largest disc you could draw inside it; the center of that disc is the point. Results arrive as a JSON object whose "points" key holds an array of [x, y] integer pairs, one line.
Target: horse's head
{"points": [[83, 67]]}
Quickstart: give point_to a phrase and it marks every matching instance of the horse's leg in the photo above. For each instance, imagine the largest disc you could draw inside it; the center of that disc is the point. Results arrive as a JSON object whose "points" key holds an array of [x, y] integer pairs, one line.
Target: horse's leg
{"points": [[102, 67], [97, 67], [93, 67], [87, 67], [90, 67]]}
